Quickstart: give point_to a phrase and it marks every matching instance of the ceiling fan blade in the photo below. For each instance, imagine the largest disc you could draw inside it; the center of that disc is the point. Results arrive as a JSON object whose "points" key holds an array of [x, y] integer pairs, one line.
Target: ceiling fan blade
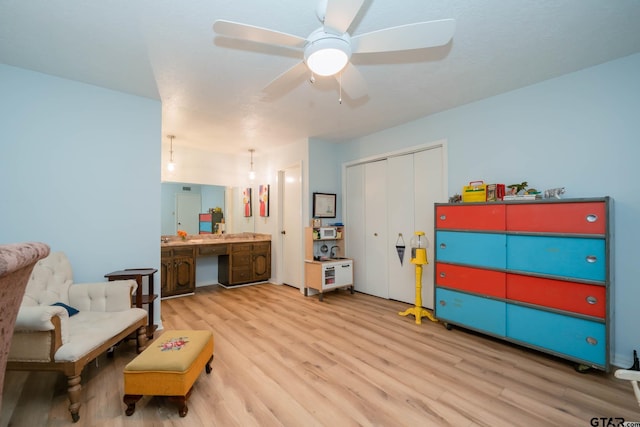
{"points": [[257, 34], [340, 14], [286, 80], [405, 37], [353, 84]]}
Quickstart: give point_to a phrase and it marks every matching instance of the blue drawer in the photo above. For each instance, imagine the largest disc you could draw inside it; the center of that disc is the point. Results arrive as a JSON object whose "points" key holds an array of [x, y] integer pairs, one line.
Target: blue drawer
{"points": [[579, 338], [469, 310], [479, 249], [580, 258]]}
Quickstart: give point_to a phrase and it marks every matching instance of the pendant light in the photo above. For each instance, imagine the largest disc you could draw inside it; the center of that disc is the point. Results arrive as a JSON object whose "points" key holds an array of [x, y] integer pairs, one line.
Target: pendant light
{"points": [[171, 166], [252, 174]]}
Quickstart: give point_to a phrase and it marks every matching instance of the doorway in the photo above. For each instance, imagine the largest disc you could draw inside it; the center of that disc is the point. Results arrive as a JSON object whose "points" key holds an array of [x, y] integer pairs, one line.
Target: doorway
{"points": [[188, 207]]}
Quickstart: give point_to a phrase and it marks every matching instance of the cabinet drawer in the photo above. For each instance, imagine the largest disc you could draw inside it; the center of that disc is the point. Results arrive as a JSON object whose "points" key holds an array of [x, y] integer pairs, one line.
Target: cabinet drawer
{"points": [[483, 217], [241, 259], [187, 252], [480, 249], [240, 275], [212, 250], [570, 296], [470, 279], [583, 218], [468, 310], [580, 258], [261, 247], [579, 338], [241, 247]]}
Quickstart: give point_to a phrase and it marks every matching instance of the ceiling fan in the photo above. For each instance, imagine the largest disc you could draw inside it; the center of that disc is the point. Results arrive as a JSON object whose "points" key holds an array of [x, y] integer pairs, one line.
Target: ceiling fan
{"points": [[327, 51]]}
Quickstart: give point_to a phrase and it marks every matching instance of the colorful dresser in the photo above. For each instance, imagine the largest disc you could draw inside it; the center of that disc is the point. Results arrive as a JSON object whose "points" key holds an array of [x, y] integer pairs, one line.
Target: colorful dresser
{"points": [[536, 273]]}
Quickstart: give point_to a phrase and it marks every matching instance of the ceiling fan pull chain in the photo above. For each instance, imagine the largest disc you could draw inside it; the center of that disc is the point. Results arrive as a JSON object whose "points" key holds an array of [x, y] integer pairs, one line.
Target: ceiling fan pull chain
{"points": [[313, 78], [340, 84]]}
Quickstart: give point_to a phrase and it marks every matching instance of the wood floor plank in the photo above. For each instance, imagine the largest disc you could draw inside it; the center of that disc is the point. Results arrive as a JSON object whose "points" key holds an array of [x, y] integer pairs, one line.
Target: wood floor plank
{"points": [[283, 359]]}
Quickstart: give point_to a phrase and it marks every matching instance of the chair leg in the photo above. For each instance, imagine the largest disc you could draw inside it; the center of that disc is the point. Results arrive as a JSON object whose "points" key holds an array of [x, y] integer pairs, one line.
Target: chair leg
{"points": [[141, 339], [73, 389]]}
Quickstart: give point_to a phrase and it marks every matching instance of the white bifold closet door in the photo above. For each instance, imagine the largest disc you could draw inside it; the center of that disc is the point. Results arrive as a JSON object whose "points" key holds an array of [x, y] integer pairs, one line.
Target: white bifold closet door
{"points": [[386, 198], [366, 226]]}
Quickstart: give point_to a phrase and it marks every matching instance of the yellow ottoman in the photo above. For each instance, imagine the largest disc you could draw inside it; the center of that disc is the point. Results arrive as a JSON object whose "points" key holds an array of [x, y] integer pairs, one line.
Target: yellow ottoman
{"points": [[168, 367]]}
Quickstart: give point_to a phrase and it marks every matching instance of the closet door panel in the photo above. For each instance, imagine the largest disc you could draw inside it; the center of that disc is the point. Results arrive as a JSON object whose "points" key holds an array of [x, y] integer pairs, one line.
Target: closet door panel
{"points": [[376, 236], [401, 198], [355, 229]]}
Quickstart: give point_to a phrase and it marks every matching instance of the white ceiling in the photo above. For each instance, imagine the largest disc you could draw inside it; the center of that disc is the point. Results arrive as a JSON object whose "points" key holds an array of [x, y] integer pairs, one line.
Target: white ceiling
{"points": [[211, 87]]}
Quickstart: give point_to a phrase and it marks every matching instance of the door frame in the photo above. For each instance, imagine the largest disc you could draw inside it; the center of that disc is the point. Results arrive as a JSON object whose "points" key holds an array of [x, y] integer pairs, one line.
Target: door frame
{"points": [[400, 152], [281, 226]]}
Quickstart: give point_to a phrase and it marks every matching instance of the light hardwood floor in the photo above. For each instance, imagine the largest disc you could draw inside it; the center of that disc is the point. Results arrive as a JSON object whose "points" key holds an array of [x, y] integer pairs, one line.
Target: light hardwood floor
{"points": [[282, 359]]}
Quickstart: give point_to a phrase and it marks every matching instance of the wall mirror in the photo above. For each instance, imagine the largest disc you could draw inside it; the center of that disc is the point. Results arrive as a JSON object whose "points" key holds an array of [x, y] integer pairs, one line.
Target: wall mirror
{"points": [[182, 202]]}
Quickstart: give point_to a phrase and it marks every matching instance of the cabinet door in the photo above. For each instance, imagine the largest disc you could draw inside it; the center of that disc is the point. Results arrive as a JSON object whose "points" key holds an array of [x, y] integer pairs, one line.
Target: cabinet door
{"points": [[583, 218], [475, 312], [580, 298], [261, 266], [184, 272], [575, 257], [166, 275], [479, 249], [579, 338], [476, 280], [470, 217]]}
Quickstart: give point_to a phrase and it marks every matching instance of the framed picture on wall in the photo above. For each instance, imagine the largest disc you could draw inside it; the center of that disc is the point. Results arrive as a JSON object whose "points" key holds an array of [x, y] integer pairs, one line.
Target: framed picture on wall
{"points": [[263, 196], [246, 201], [324, 205]]}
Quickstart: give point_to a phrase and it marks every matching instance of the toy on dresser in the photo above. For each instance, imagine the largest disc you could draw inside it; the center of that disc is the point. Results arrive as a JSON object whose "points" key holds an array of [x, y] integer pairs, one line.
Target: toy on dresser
{"points": [[554, 192]]}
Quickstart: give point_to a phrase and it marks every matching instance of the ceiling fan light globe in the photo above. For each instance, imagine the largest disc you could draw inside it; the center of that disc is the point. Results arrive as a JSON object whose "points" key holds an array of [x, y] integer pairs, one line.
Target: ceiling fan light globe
{"points": [[327, 55]]}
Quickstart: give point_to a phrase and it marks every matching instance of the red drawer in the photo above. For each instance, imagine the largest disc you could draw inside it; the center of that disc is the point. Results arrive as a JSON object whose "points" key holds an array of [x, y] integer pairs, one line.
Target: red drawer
{"points": [[583, 218], [469, 217], [569, 296], [470, 279]]}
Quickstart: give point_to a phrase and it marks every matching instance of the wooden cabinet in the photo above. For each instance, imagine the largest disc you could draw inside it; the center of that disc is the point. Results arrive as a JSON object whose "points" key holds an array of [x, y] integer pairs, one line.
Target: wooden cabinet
{"points": [[245, 263], [536, 273], [177, 271], [325, 266]]}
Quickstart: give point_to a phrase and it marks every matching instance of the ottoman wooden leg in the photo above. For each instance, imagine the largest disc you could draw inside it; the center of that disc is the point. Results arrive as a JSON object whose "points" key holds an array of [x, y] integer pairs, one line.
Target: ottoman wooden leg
{"points": [[182, 403], [130, 400], [207, 367]]}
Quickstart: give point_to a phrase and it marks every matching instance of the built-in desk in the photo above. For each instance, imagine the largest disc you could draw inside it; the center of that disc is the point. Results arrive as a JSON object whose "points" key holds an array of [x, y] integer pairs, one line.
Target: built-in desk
{"points": [[242, 258]]}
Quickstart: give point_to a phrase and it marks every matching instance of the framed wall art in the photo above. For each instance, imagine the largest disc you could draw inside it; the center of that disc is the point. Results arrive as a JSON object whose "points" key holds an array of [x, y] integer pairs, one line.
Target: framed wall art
{"points": [[246, 201], [324, 205], [263, 195]]}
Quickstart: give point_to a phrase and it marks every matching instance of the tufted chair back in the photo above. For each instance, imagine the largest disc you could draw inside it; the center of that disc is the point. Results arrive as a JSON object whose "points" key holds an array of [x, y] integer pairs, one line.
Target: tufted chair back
{"points": [[49, 281]]}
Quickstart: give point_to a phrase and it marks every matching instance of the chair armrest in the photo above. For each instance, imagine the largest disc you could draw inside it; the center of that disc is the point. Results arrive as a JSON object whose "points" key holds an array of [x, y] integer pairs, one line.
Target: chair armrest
{"points": [[102, 296], [42, 318], [629, 375], [39, 317]]}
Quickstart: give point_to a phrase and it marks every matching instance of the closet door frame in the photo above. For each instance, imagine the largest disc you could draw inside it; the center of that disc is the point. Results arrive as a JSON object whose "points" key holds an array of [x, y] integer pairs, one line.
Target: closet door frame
{"points": [[440, 144]]}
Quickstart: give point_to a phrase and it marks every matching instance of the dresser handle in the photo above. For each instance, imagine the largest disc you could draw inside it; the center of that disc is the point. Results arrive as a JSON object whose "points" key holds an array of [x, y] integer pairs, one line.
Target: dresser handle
{"points": [[591, 259], [592, 341], [592, 300], [443, 274], [443, 217], [443, 246], [592, 218]]}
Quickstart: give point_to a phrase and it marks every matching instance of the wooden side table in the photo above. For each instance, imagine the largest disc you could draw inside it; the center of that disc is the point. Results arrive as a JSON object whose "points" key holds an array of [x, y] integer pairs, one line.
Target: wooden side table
{"points": [[140, 297]]}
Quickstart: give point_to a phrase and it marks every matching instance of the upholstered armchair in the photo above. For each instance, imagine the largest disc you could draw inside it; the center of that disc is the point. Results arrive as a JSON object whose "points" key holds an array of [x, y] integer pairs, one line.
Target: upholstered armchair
{"points": [[16, 263], [62, 326]]}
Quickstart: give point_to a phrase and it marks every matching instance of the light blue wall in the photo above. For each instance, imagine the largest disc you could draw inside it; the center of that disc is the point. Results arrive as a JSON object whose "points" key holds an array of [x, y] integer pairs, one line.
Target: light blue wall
{"points": [[80, 171], [580, 131], [325, 174]]}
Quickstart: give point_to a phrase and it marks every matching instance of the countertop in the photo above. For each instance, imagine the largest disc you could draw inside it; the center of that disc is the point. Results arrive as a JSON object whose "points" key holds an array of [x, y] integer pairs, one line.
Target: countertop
{"points": [[213, 239]]}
